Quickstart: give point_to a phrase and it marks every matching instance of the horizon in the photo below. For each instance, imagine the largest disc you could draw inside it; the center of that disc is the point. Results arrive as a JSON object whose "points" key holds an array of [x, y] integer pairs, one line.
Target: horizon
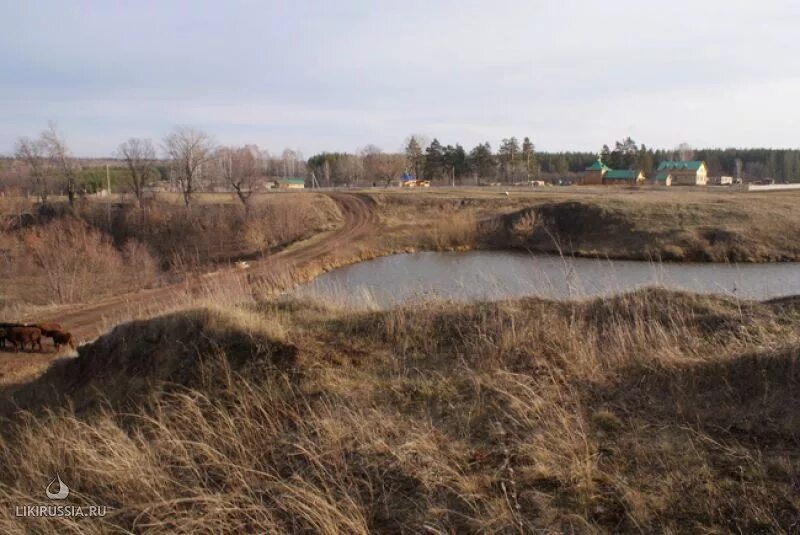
{"points": [[316, 79]]}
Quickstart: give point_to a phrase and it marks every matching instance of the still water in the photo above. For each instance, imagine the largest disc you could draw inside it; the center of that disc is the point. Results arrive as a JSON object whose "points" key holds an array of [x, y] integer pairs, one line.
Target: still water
{"points": [[492, 275]]}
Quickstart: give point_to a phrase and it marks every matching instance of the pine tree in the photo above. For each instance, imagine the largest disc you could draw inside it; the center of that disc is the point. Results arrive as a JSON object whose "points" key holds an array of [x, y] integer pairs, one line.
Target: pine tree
{"points": [[508, 154], [529, 159], [646, 161], [605, 155], [482, 162], [434, 160]]}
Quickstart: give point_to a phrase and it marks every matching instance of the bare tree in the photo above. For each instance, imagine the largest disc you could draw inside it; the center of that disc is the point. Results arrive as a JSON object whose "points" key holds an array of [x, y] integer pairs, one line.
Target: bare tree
{"points": [[381, 167], [351, 168], [189, 149], [139, 156], [685, 152], [241, 169], [34, 153], [290, 159], [61, 159]]}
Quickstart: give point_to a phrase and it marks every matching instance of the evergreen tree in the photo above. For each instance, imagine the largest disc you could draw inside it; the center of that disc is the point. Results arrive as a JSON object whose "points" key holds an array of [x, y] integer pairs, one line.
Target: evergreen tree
{"points": [[529, 159], [434, 161], [605, 155], [789, 165], [482, 162], [561, 164], [455, 161], [646, 161], [508, 154]]}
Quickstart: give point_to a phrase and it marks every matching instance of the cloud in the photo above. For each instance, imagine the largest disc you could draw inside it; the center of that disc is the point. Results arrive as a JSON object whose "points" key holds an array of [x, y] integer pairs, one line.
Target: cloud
{"points": [[336, 76]]}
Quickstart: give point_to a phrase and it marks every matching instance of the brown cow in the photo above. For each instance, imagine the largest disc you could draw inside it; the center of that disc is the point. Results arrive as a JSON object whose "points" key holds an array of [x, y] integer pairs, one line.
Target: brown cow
{"points": [[20, 336], [61, 338], [48, 328], [6, 327]]}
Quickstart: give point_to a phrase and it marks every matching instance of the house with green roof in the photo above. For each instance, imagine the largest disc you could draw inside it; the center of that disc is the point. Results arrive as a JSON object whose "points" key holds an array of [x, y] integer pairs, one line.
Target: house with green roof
{"points": [[662, 178], [684, 173], [599, 173], [593, 175], [623, 177]]}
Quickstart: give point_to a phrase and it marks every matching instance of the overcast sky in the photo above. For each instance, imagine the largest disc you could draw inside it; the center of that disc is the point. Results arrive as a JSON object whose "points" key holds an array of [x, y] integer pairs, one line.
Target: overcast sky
{"points": [[571, 74]]}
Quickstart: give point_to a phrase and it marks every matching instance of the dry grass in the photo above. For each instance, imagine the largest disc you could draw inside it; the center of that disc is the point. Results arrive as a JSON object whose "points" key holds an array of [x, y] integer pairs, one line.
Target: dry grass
{"points": [[681, 224], [654, 412], [651, 412], [215, 230], [56, 254]]}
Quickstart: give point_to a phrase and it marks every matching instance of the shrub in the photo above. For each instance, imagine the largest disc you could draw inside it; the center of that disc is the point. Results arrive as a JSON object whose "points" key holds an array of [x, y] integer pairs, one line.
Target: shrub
{"points": [[77, 262]]}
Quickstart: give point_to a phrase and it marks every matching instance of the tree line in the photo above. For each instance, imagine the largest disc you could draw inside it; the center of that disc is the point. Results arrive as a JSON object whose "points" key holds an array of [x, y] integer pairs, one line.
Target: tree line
{"points": [[430, 160], [781, 165], [189, 160], [516, 161]]}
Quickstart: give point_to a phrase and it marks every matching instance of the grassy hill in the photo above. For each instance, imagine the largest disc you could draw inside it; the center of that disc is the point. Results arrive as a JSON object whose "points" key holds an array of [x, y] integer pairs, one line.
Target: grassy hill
{"points": [[653, 411]]}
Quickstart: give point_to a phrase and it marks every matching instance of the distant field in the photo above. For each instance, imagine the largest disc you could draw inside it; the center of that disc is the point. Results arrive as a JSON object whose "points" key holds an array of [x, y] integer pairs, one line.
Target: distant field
{"points": [[696, 224]]}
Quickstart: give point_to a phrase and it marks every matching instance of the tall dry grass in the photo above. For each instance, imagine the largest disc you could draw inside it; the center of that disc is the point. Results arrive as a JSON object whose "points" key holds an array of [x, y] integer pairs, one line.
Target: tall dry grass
{"points": [[649, 412], [453, 231]]}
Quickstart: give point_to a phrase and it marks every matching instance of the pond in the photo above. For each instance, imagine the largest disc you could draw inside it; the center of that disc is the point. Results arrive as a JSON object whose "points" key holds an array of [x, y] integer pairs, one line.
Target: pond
{"points": [[494, 275]]}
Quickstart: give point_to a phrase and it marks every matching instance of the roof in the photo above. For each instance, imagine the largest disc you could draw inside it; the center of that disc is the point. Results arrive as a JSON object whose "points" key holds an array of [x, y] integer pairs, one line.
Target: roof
{"points": [[598, 166], [622, 174], [294, 180], [663, 175], [677, 166]]}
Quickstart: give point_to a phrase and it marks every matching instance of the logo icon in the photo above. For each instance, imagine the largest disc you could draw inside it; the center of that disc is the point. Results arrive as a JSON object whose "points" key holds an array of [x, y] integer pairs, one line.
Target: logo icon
{"points": [[63, 489]]}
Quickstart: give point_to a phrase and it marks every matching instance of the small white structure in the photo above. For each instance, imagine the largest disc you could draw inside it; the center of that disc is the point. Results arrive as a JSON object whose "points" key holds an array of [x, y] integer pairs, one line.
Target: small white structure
{"points": [[721, 180]]}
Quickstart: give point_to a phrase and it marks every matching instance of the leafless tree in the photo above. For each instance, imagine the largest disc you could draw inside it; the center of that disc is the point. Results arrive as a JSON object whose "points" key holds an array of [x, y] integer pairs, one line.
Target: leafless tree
{"points": [[240, 167], [61, 159], [290, 160], [685, 152], [139, 156], [381, 167], [351, 167], [34, 153], [189, 149]]}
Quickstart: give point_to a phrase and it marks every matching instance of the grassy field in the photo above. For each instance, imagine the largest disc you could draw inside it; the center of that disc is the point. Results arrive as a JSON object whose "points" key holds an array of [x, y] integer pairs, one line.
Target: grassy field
{"points": [[225, 409], [649, 412], [677, 224]]}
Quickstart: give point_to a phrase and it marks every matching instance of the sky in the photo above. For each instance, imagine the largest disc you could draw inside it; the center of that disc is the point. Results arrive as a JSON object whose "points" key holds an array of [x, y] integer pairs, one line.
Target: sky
{"points": [[338, 75]]}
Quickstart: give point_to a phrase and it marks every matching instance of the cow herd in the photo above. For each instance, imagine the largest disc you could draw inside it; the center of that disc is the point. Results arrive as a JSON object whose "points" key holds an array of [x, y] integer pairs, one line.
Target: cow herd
{"points": [[20, 335]]}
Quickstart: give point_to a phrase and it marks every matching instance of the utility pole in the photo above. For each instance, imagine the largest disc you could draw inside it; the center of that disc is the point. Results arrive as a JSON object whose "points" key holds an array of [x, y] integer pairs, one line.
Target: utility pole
{"points": [[528, 166], [108, 192]]}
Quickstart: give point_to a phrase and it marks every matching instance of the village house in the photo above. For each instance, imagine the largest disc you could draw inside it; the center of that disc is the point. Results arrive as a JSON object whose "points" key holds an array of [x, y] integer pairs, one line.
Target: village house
{"points": [[685, 173], [662, 178], [599, 173], [623, 177], [593, 175]]}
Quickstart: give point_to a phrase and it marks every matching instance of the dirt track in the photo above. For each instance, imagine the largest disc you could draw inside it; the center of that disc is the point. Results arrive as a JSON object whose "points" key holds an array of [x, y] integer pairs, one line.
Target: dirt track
{"points": [[88, 321]]}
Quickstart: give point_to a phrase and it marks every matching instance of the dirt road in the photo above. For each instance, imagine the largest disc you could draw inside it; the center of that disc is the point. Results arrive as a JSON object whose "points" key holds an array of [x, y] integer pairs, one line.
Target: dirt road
{"points": [[88, 321]]}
